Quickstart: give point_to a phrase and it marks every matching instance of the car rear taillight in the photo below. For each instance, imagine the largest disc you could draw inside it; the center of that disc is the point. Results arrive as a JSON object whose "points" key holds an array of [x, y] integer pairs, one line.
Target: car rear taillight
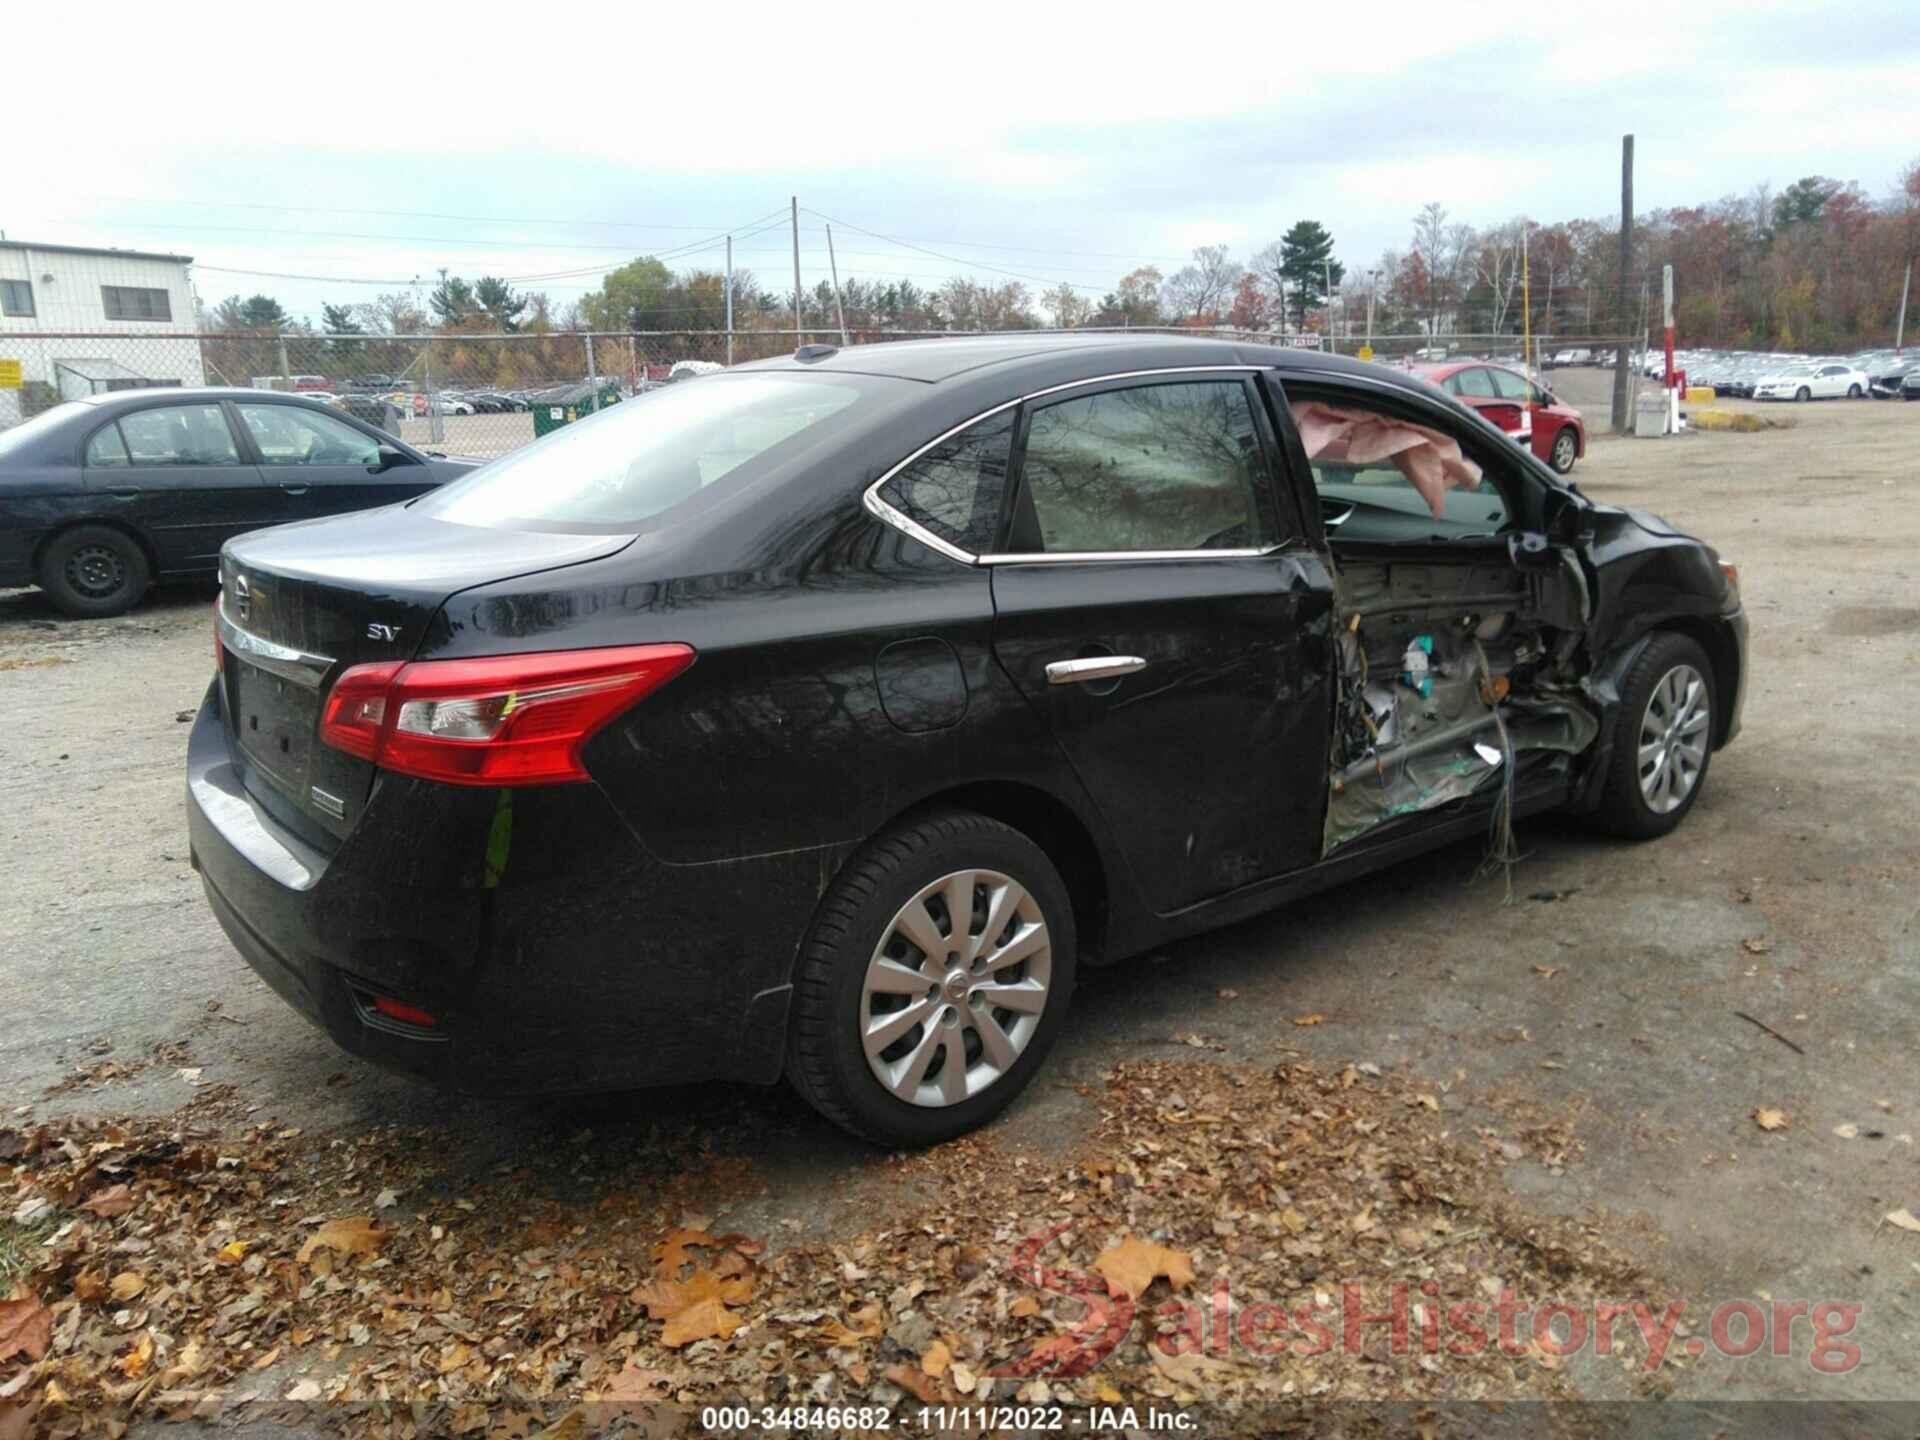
{"points": [[505, 720]]}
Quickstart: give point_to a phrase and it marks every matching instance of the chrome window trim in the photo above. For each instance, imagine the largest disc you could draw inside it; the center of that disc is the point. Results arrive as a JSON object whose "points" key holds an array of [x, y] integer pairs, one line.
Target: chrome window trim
{"points": [[887, 515], [299, 666]]}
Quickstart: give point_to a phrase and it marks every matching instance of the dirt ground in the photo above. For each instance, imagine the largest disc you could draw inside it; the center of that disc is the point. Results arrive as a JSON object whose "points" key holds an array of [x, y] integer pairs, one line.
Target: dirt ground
{"points": [[1615, 1008]]}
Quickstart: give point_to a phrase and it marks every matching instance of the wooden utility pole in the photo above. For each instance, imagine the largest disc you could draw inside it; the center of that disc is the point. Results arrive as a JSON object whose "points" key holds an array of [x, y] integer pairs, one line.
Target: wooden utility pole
{"points": [[839, 303], [1621, 419], [796, 271]]}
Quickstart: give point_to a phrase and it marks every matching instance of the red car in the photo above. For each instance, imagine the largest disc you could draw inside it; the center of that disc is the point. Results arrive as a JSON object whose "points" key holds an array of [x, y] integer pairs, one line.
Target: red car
{"points": [[1509, 400]]}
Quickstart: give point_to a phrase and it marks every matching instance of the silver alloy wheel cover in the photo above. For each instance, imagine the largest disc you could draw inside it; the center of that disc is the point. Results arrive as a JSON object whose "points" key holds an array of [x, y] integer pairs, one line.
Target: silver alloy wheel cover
{"points": [[955, 984], [1563, 451], [1674, 732]]}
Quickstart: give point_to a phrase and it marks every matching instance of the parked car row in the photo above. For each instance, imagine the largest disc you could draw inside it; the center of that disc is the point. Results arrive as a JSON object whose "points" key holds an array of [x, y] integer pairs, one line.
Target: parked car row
{"points": [[1779, 375]]}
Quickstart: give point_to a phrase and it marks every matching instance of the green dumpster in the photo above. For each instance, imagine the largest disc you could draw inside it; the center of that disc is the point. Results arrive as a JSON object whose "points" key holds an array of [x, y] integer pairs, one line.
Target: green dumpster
{"points": [[566, 403]]}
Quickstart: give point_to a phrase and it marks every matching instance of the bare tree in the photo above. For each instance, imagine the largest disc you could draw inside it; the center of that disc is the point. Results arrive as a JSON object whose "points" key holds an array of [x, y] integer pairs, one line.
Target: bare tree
{"points": [[1067, 306], [1202, 290], [1496, 262]]}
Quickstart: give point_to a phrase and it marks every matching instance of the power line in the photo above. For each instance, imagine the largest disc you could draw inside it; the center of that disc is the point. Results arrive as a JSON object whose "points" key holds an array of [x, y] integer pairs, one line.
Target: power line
{"points": [[951, 259]]}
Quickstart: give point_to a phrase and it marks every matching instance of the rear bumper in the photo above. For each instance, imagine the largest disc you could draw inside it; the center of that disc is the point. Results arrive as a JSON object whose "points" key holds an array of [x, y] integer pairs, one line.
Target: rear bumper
{"points": [[569, 961]]}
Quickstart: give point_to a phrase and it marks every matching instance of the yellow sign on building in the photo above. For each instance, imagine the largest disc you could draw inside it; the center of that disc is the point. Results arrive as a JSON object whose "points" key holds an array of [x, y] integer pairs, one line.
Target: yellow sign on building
{"points": [[9, 374]]}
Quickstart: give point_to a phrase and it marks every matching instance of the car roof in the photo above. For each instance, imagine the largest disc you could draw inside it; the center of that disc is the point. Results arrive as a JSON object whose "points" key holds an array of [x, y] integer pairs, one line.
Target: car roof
{"points": [[934, 360], [189, 393]]}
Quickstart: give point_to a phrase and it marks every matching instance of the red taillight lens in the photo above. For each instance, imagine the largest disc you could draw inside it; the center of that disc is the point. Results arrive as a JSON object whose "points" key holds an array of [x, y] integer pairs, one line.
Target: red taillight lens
{"points": [[505, 720], [406, 1014]]}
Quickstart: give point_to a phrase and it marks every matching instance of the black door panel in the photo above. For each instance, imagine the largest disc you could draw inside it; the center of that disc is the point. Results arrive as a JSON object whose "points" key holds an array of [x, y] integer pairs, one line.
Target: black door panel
{"points": [[1208, 762], [175, 473]]}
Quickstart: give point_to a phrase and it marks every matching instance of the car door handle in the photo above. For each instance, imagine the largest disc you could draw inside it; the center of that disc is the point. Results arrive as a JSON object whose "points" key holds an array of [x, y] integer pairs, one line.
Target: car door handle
{"points": [[294, 489], [1093, 667]]}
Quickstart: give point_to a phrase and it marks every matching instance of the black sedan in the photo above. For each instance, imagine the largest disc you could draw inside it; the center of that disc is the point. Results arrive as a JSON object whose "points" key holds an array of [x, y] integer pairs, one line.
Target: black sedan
{"points": [[822, 718], [99, 498]]}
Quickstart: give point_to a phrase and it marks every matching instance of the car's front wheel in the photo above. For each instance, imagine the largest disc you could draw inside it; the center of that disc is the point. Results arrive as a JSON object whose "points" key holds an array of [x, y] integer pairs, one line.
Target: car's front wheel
{"points": [[1803, 393], [94, 571], [1566, 449], [1853, 392], [934, 980], [1664, 739]]}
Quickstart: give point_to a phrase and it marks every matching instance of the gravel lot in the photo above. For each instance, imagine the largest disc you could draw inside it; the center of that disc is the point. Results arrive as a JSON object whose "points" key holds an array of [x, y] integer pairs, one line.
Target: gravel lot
{"points": [[1605, 1000]]}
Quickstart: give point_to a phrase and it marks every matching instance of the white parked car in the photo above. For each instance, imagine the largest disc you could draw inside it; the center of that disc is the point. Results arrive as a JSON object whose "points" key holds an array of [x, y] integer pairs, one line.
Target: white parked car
{"points": [[454, 405], [1828, 381]]}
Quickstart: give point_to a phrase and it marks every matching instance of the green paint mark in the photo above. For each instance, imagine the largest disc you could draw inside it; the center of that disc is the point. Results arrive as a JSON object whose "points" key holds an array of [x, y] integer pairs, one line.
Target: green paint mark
{"points": [[499, 841]]}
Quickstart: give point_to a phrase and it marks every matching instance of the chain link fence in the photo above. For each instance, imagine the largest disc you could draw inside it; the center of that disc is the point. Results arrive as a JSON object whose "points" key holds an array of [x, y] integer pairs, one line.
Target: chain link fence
{"points": [[488, 394]]}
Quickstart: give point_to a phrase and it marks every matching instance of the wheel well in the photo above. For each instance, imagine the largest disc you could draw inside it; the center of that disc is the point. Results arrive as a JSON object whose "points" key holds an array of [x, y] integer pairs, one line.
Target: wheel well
{"points": [[40, 550], [1055, 829], [1725, 659]]}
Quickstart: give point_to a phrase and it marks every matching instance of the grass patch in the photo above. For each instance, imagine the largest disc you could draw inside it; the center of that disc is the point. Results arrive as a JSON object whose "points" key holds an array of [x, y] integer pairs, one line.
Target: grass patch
{"points": [[20, 1248], [1735, 420]]}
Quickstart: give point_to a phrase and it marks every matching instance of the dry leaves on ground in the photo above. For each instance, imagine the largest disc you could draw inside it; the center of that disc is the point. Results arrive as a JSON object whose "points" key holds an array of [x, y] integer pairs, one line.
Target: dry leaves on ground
{"points": [[1768, 1118]]}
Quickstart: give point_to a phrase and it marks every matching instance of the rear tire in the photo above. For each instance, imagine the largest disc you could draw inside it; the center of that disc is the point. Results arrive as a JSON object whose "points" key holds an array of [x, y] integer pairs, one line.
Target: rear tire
{"points": [[92, 571], [903, 1066], [1663, 740], [1853, 392], [1803, 394]]}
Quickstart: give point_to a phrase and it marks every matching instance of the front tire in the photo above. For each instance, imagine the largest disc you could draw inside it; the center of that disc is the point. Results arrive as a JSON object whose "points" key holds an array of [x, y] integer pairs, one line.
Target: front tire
{"points": [[1803, 394], [909, 1028], [1853, 392], [1663, 740], [1566, 449], [92, 571]]}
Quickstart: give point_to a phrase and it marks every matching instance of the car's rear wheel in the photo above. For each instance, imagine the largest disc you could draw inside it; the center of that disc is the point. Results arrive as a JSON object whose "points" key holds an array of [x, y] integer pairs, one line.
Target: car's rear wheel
{"points": [[1566, 449], [94, 571], [933, 982], [1803, 393], [1664, 740], [1853, 392]]}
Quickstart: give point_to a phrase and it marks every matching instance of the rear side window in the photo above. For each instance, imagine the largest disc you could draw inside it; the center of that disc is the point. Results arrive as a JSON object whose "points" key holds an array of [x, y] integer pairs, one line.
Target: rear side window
{"points": [[106, 448], [956, 489], [1511, 386], [1476, 383], [178, 435], [1175, 466]]}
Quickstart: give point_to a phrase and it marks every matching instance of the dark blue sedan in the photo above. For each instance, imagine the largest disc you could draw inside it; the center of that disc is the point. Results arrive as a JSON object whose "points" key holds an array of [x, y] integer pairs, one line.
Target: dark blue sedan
{"points": [[101, 497]]}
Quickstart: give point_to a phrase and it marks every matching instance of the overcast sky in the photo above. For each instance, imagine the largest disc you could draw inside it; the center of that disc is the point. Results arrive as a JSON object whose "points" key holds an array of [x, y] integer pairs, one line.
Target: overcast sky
{"points": [[1058, 143]]}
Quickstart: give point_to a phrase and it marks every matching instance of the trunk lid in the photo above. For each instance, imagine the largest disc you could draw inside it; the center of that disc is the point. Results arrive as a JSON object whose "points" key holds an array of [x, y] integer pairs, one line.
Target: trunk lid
{"points": [[301, 603]]}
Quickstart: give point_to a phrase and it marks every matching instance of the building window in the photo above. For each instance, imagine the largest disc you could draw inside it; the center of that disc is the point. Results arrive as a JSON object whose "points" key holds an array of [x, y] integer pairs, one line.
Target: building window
{"points": [[123, 302], [16, 297]]}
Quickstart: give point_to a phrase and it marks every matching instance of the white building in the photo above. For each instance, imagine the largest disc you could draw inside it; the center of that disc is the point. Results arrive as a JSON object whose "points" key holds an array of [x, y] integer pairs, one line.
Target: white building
{"points": [[81, 321]]}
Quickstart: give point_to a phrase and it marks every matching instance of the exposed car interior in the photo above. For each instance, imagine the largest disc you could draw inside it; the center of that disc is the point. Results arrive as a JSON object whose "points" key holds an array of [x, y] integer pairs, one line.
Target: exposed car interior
{"points": [[1456, 635]]}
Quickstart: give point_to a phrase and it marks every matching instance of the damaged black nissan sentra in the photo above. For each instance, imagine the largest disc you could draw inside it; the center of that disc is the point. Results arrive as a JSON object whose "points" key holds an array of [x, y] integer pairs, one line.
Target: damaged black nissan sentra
{"points": [[818, 718]]}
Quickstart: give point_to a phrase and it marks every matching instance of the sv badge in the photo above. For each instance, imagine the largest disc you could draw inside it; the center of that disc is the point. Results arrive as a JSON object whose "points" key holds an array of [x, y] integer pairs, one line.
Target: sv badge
{"points": [[377, 631]]}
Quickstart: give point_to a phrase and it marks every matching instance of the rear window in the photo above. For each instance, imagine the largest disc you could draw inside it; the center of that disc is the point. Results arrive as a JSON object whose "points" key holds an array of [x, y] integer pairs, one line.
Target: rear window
{"points": [[644, 456]]}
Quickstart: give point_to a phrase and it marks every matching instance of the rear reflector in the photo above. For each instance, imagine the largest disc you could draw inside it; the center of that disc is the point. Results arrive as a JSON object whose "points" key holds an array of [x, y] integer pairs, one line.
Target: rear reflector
{"points": [[406, 1014], [505, 720]]}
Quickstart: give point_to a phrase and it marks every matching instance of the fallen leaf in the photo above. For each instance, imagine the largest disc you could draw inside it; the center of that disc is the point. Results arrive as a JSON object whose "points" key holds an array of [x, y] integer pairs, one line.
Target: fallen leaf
{"points": [[867, 1323], [231, 1253], [114, 1200], [1757, 945], [1768, 1118], [636, 1384], [1226, 994], [1314, 1019], [1432, 1102], [26, 1326], [1546, 972], [1293, 1220], [666, 1298], [127, 1285], [1905, 1219], [454, 1357], [386, 1199], [671, 1253], [1847, 1132], [355, 1235], [917, 1384], [1025, 1306], [1131, 1266], [936, 1360], [134, 1363], [305, 1390], [708, 1320], [570, 1426], [964, 1379]]}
